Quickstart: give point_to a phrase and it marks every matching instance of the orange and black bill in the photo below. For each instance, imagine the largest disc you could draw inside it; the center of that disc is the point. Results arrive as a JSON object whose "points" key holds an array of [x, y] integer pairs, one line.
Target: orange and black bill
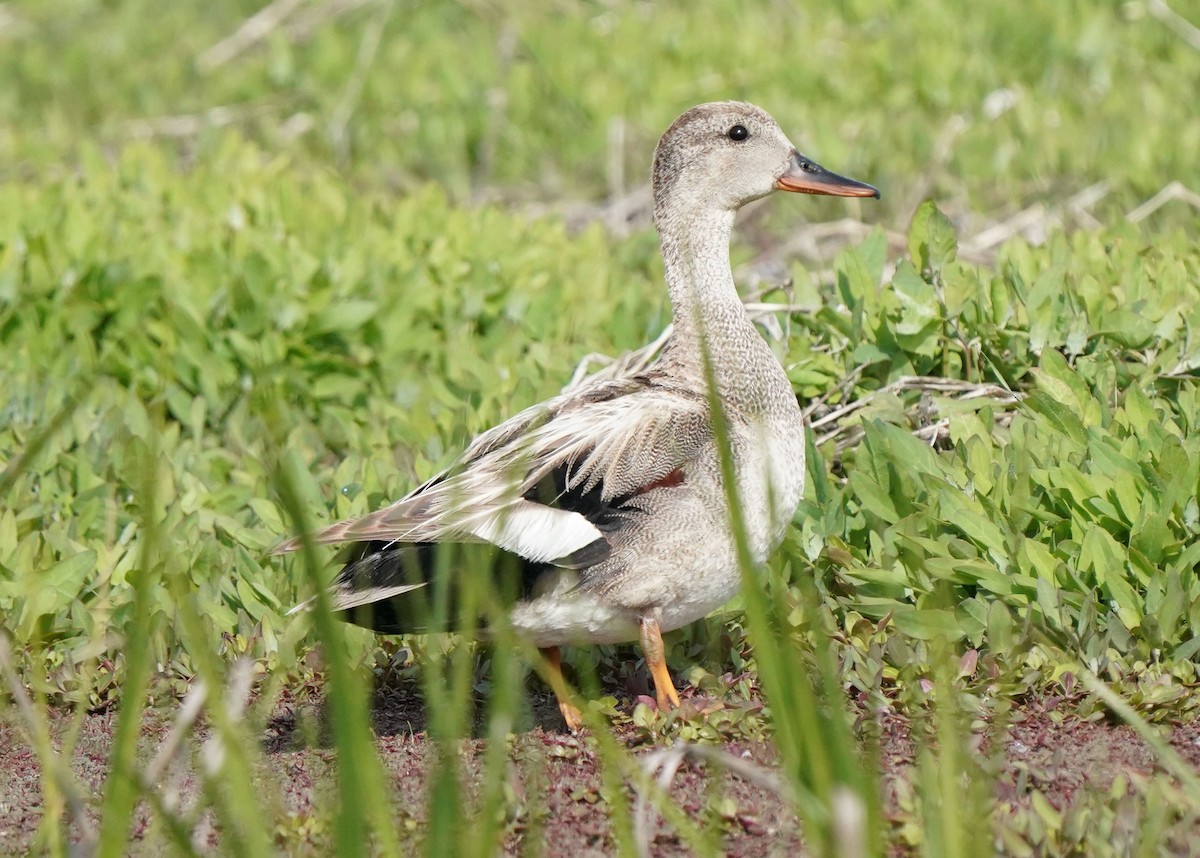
{"points": [[808, 177]]}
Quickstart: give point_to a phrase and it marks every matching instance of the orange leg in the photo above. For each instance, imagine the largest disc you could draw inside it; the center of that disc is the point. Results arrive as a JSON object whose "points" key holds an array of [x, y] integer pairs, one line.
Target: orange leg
{"points": [[558, 685], [652, 648]]}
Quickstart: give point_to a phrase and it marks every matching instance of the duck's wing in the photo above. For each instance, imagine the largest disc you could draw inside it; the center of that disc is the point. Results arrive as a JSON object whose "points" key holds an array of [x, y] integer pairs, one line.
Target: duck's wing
{"points": [[545, 484]]}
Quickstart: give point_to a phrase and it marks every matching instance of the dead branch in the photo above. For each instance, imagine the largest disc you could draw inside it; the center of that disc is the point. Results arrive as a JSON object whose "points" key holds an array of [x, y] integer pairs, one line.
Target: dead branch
{"points": [[1183, 28], [1174, 191], [191, 124], [301, 26], [951, 387], [662, 765], [173, 743], [351, 94], [252, 31], [1032, 223]]}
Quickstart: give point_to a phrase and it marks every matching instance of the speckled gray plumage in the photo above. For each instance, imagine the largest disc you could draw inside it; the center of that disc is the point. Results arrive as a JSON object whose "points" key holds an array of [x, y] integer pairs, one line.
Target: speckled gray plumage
{"points": [[637, 451]]}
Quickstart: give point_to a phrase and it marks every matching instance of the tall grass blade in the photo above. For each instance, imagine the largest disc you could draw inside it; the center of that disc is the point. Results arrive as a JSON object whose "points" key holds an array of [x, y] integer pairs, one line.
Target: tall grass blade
{"points": [[122, 787], [363, 795], [811, 730], [1168, 756]]}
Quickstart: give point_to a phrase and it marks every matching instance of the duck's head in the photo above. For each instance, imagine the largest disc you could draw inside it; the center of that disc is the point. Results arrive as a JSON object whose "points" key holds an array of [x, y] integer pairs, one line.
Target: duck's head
{"points": [[724, 154]]}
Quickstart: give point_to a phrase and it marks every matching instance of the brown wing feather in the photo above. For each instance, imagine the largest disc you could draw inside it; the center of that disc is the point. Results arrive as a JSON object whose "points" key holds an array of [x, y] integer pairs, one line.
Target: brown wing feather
{"points": [[618, 435]]}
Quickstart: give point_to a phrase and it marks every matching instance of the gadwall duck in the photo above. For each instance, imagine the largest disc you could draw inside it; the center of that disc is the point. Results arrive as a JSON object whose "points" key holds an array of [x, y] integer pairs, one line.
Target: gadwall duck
{"points": [[609, 499]]}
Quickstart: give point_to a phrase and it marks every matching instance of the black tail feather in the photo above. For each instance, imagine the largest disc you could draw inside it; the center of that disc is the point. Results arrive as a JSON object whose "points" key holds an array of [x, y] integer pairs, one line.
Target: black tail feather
{"points": [[438, 603]]}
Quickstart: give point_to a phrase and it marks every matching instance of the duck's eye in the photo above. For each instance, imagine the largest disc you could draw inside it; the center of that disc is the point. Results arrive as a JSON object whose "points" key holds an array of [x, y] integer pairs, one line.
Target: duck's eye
{"points": [[808, 166], [738, 133]]}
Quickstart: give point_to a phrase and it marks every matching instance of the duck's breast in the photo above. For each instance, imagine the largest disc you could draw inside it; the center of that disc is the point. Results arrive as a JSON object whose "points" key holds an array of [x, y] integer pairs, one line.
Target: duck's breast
{"points": [[770, 461]]}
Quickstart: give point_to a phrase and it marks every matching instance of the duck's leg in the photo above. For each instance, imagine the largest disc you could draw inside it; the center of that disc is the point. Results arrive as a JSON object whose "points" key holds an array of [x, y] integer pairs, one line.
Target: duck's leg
{"points": [[558, 685], [652, 649]]}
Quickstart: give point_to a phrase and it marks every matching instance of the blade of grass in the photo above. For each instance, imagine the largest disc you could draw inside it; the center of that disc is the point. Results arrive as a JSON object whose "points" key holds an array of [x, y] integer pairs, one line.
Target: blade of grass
{"points": [[1170, 759], [228, 779], [39, 440], [122, 787], [228, 782], [811, 729], [950, 781], [504, 699], [362, 786], [58, 784], [449, 698]]}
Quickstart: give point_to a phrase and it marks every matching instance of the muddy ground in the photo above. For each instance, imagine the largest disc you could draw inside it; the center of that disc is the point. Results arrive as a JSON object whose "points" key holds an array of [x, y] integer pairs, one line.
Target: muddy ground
{"points": [[556, 795]]}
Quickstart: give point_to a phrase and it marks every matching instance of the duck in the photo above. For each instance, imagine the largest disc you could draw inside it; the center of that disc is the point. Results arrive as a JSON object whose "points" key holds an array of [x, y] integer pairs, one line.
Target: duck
{"points": [[609, 501]]}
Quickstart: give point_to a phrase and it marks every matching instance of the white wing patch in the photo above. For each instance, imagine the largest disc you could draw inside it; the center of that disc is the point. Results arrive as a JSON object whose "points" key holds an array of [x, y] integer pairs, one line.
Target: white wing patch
{"points": [[537, 532], [615, 436]]}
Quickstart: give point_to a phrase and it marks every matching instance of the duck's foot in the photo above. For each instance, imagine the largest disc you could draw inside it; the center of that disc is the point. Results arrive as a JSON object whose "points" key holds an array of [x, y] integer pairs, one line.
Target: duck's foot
{"points": [[652, 647], [558, 685], [571, 715]]}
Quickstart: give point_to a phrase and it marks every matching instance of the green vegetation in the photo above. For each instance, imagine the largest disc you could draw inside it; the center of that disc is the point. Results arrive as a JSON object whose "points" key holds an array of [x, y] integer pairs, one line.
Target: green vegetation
{"points": [[289, 303]]}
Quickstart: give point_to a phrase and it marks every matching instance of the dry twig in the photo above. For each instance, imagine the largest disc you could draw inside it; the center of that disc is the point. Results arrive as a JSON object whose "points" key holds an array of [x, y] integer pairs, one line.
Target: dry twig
{"points": [[1183, 28], [628, 363], [1174, 191], [351, 95], [1032, 222], [664, 764], [169, 750], [191, 124], [301, 26], [832, 425], [252, 31], [238, 695]]}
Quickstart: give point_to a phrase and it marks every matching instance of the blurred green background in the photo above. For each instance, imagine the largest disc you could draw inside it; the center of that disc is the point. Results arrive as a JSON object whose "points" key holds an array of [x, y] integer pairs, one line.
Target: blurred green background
{"points": [[988, 109], [239, 234], [333, 239]]}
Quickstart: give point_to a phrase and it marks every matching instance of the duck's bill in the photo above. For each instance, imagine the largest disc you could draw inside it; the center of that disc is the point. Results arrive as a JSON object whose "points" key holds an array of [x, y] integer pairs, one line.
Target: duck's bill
{"points": [[807, 177]]}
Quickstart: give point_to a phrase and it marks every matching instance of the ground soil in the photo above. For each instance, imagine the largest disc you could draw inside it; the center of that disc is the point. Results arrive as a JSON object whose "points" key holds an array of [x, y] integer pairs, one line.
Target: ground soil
{"points": [[556, 795]]}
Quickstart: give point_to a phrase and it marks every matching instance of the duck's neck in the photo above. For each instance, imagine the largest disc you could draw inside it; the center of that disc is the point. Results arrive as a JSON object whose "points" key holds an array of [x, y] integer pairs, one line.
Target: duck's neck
{"points": [[695, 248], [708, 313]]}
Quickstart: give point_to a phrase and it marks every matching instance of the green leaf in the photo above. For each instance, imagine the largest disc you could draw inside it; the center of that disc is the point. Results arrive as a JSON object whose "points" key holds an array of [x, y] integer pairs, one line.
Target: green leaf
{"points": [[975, 525], [1129, 329], [999, 627], [1107, 559], [873, 498], [1151, 532], [918, 301], [1054, 376], [932, 242], [56, 588], [268, 514], [1060, 417], [1139, 410], [929, 624], [346, 315]]}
